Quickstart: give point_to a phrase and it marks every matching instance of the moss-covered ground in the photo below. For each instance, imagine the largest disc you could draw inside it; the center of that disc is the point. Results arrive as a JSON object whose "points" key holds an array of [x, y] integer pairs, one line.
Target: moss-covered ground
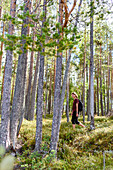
{"points": [[79, 149]]}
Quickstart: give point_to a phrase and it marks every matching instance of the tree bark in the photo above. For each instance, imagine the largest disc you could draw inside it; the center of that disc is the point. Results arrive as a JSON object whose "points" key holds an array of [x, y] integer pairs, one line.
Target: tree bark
{"points": [[5, 117], [59, 99], [98, 75], [19, 92], [34, 87], [63, 95], [104, 78], [108, 85], [91, 70], [112, 87], [111, 63], [40, 94], [56, 108], [67, 95], [53, 145], [101, 98], [84, 81], [28, 95], [88, 103], [2, 48], [13, 84], [32, 99], [46, 90], [49, 96]]}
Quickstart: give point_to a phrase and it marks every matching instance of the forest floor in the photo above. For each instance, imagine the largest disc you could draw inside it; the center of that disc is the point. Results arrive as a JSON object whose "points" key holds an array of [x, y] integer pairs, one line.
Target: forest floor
{"points": [[79, 149]]}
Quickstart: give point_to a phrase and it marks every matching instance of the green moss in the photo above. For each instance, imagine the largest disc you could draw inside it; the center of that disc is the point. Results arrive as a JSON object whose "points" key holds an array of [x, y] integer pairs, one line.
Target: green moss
{"points": [[77, 149]]}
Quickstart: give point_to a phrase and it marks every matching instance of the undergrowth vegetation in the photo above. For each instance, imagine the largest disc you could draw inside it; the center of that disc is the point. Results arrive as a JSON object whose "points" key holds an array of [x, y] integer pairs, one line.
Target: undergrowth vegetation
{"points": [[79, 149]]}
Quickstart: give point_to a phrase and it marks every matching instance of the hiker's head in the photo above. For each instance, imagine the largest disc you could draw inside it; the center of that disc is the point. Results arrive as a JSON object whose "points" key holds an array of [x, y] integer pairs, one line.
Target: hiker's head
{"points": [[74, 94]]}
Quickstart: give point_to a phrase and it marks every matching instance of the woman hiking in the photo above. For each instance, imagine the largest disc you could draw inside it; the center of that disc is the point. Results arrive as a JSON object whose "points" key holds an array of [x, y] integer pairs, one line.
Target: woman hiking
{"points": [[75, 111]]}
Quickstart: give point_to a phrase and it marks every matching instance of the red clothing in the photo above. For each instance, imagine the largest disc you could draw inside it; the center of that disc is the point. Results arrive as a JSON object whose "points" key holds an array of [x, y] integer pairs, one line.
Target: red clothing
{"points": [[74, 105]]}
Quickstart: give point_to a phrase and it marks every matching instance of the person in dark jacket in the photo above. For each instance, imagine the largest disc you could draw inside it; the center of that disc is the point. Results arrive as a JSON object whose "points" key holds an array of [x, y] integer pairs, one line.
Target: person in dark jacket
{"points": [[75, 111]]}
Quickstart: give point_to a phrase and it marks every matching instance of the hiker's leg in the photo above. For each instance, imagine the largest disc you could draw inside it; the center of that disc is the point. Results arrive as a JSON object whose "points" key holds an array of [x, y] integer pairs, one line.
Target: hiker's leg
{"points": [[81, 124], [73, 121], [73, 126]]}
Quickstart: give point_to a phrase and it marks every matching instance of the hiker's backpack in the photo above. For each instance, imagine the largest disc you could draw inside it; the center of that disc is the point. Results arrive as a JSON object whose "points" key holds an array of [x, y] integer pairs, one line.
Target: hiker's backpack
{"points": [[80, 106]]}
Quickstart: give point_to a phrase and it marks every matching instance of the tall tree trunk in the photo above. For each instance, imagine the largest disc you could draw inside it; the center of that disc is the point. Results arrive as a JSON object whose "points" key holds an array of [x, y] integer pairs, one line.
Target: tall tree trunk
{"points": [[40, 94], [19, 92], [54, 75], [2, 36], [98, 75], [3, 82], [84, 81], [87, 83], [95, 111], [13, 83], [39, 105], [112, 86], [1, 53], [46, 90], [49, 96], [88, 103], [104, 77], [67, 95], [108, 85], [101, 98], [53, 144], [111, 63], [28, 95], [63, 95], [5, 117], [91, 70], [34, 87], [59, 99], [32, 99], [2, 89]]}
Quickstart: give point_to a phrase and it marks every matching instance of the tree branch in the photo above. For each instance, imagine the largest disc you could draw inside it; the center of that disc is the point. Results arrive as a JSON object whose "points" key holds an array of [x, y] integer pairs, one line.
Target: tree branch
{"points": [[66, 12]]}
